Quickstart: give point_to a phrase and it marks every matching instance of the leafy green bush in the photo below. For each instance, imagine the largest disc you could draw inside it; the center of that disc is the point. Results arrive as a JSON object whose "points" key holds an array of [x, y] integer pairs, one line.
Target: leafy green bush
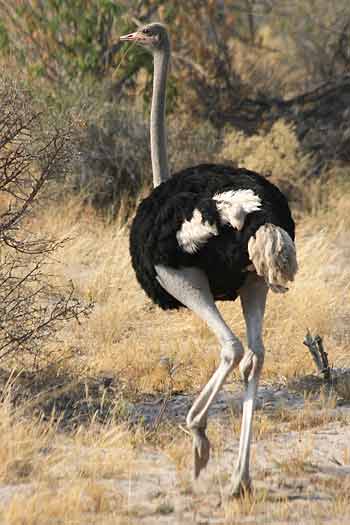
{"points": [[60, 40]]}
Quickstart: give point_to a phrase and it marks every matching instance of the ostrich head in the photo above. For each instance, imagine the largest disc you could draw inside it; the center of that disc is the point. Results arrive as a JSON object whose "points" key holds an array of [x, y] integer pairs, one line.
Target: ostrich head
{"points": [[153, 37]]}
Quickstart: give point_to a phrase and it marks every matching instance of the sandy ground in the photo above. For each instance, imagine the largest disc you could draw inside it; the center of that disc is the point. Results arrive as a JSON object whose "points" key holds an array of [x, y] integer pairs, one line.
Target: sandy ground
{"points": [[299, 476], [292, 470]]}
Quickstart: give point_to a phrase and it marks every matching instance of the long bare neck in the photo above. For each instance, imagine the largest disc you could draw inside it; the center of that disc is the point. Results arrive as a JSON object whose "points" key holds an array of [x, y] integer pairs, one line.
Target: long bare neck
{"points": [[159, 153]]}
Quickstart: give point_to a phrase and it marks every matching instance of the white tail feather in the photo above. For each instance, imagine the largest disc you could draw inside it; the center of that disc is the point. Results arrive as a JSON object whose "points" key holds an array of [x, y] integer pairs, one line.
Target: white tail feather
{"points": [[273, 255]]}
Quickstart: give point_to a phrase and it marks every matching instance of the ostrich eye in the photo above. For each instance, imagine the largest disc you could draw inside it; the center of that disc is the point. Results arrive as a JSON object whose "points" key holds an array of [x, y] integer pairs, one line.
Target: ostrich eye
{"points": [[146, 31]]}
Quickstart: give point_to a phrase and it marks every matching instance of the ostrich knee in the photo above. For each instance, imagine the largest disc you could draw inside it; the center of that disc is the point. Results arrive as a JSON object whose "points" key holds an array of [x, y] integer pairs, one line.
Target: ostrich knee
{"points": [[231, 354], [251, 364]]}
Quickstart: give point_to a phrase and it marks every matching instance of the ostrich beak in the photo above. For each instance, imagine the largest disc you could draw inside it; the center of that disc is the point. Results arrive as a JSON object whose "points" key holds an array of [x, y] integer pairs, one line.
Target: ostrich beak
{"points": [[131, 37]]}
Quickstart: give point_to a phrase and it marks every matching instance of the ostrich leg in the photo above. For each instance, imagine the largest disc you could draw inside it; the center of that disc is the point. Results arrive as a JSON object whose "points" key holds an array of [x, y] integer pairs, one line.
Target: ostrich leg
{"points": [[253, 298], [190, 286]]}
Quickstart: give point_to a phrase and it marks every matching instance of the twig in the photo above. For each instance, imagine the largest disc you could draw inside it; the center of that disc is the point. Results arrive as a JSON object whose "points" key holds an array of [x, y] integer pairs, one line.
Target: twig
{"points": [[184, 430], [319, 355], [171, 369], [161, 412]]}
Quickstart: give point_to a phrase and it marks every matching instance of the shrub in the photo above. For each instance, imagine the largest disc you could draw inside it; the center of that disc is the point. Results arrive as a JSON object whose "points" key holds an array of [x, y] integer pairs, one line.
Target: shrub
{"points": [[189, 145], [276, 154], [58, 41], [31, 308], [114, 159]]}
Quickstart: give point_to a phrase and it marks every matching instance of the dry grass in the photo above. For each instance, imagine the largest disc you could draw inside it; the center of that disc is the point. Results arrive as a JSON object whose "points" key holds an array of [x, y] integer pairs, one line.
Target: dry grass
{"points": [[128, 337], [92, 472], [275, 153], [22, 443], [76, 503], [50, 476]]}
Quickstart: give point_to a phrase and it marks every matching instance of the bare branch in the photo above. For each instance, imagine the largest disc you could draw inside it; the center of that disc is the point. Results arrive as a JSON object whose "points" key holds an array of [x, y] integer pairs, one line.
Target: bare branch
{"points": [[32, 310]]}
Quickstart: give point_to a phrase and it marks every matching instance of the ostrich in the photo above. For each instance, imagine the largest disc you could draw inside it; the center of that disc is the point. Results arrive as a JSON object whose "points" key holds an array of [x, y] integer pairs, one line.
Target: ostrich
{"points": [[211, 232]]}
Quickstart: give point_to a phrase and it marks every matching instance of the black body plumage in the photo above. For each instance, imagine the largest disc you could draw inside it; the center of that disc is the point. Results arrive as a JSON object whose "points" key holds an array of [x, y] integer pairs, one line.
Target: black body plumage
{"points": [[224, 258]]}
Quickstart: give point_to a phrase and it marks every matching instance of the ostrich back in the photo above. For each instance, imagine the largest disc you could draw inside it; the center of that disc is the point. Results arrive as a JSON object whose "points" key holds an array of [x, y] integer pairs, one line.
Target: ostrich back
{"points": [[224, 257]]}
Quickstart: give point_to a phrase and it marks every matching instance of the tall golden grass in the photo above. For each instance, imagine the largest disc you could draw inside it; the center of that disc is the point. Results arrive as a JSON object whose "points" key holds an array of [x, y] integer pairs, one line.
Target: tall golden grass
{"points": [[66, 476], [127, 336]]}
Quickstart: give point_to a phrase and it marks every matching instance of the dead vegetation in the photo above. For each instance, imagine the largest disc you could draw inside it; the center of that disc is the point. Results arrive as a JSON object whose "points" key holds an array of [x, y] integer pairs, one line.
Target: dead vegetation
{"points": [[92, 420], [98, 434], [100, 445], [31, 307]]}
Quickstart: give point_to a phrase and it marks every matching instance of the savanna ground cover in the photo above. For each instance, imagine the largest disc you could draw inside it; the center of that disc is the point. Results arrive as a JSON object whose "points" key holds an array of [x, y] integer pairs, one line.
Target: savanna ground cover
{"points": [[96, 387], [101, 436]]}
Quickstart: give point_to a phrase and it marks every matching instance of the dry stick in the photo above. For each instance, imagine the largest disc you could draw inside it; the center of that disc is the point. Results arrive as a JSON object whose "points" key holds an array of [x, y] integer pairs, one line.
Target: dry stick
{"points": [[165, 403], [161, 413], [319, 355], [171, 372], [310, 343], [326, 371], [184, 430]]}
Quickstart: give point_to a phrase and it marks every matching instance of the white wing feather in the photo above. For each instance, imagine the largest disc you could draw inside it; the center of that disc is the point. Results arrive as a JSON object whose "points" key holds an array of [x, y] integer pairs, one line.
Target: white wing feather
{"points": [[195, 232], [234, 206]]}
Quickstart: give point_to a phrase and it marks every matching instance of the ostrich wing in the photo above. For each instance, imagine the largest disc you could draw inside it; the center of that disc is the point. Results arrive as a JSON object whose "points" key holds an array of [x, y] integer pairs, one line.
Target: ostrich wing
{"points": [[230, 207]]}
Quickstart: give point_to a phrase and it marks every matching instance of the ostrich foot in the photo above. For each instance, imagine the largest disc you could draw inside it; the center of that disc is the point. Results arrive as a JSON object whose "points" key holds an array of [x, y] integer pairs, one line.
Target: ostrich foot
{"points": [[201, 451], [239, 487]]}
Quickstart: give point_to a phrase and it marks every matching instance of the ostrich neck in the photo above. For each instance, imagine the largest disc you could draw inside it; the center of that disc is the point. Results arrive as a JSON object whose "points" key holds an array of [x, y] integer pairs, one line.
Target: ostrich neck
{"points": [[159, 154]]}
